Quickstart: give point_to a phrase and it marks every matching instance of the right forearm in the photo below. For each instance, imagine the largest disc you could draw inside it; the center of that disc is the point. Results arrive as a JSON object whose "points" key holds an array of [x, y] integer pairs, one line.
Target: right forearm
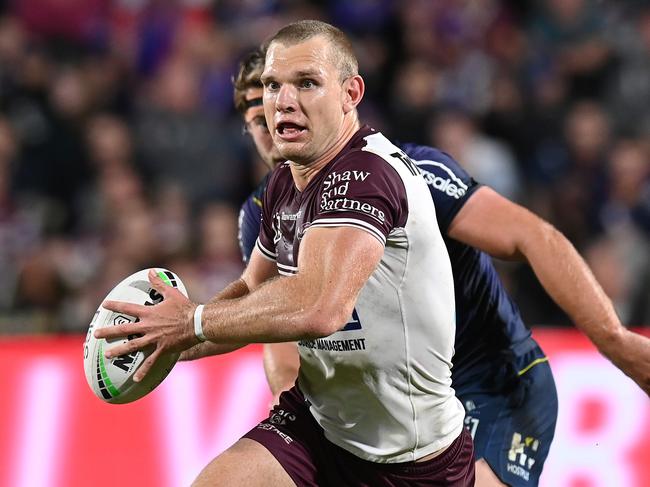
{"points": [[234, 290]]}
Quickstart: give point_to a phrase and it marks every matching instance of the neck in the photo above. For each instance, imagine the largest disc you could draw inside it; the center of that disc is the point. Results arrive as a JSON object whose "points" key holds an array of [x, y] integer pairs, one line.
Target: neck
{"points": [[303, 173]]}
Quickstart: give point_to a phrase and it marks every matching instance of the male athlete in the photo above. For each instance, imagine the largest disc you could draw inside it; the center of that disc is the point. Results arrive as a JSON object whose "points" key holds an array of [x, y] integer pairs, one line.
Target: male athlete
{"points": [[499, 372], [365, 287]]}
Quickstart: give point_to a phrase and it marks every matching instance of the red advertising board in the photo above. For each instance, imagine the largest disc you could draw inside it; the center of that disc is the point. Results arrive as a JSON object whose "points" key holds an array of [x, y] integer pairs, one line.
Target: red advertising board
{"points": [[55, 432]]}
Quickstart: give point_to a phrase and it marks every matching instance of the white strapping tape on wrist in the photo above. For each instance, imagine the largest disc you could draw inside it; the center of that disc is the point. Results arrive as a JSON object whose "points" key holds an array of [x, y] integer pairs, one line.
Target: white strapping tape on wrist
{"points": [[198, 326]]}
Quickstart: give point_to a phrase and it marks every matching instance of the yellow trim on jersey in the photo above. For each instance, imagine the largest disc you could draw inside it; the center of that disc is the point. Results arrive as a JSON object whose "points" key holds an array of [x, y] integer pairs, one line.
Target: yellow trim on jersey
{"points": [[257, 201], [532, 364]]}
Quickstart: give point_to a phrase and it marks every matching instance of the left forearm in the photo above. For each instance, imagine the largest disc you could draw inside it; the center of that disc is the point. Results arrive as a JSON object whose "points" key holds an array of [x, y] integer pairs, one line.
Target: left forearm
{"points": [[567, 279], [281, 310], [234, 290], [313, 303]]}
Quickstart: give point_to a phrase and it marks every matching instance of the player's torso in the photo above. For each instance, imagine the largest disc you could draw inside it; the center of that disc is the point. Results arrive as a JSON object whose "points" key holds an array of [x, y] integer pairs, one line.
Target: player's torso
{"points": [[355, 376]]}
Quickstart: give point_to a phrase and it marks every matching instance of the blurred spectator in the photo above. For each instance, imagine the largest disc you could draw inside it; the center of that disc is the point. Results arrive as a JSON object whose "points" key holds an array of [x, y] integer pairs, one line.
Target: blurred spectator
{"points": [[569, 36], [116, 183], [628, 179], [183, 144], [414, 98], [77, 20], [13, 228], [487, 160], [173, 226], [579, 182], [620, 261], [218, 252], [508, 116], [629, 98]]}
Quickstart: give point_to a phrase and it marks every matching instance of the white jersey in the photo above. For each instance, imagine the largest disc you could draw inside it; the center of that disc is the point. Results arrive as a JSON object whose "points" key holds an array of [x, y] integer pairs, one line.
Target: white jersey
{"points": [[381, 386]]}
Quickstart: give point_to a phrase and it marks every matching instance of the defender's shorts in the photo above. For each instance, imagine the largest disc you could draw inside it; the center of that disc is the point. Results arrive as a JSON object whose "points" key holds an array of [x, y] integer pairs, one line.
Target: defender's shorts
{"points": [[513, 430], [296, 440]]}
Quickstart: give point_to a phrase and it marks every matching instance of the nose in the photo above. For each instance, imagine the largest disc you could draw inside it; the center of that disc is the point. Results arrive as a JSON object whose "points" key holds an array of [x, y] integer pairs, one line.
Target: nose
{"points": [[287, 99]]}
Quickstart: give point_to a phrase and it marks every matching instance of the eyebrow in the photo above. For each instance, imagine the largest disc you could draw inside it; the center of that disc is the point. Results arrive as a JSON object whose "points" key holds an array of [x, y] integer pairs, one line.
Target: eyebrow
{"points": [[307, 73]]}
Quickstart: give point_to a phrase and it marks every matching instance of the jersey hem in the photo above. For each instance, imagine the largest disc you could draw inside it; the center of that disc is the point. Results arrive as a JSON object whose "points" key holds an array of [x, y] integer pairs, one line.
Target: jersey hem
{"points": [[410, 456]]}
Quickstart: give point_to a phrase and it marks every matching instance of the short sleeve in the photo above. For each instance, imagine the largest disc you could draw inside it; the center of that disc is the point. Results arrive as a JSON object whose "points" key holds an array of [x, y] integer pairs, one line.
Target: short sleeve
{"points": [[362, 190], [449, 184]]}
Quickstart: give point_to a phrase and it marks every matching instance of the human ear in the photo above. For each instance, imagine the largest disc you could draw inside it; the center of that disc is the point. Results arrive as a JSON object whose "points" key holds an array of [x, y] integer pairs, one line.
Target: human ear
{"points": [[353, 90]]}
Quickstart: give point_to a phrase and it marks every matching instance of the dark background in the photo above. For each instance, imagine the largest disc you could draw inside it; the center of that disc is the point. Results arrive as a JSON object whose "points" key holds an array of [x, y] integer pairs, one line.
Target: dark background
{"points": [[120, 149]]}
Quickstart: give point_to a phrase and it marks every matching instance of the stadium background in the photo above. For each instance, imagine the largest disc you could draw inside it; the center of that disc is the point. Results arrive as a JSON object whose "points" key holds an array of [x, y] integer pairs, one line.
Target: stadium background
{"points": [[120, 149]]}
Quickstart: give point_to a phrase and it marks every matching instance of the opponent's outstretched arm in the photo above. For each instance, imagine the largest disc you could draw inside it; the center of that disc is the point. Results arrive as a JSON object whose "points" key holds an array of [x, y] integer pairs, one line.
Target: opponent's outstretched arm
{"points": [[516, 233], [314, 303]]}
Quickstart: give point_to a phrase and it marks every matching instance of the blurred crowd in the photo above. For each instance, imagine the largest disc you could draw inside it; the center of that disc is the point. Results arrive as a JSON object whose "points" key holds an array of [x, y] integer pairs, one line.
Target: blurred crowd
{"points": [[120, 148]]}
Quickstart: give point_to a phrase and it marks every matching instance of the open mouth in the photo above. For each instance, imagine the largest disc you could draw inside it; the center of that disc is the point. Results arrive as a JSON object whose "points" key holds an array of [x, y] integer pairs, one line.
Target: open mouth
{"points": [[289, 130]]}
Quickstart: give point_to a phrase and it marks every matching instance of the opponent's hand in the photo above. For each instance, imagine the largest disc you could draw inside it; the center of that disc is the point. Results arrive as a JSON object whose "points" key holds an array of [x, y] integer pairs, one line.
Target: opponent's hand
{"points": [[167, 326], [631, 354]]}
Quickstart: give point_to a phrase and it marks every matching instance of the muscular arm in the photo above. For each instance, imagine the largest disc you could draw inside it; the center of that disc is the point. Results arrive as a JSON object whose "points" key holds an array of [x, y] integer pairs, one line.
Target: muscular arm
{"points": [[313, 303], [257, 272], [515, 233], [281, 361]]}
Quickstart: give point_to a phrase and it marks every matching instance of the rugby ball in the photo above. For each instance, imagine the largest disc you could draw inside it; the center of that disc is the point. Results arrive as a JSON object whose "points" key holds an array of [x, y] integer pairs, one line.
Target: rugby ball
{"points": [[112, 379]]}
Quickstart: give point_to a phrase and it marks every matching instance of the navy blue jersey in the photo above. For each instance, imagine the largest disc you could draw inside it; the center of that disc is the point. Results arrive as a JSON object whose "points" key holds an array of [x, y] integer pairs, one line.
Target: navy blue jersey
{"points": [[490, 333], [250, 219]]}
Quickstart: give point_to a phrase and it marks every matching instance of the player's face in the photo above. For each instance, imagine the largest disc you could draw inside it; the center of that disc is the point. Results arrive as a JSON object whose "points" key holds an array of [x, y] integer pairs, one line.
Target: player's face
{"points": [[303, 99], [257, 128]]}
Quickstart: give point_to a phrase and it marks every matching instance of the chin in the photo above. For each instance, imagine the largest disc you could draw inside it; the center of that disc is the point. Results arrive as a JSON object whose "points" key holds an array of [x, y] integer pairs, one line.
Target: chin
{"points": [[291, 154], [277, 158]]}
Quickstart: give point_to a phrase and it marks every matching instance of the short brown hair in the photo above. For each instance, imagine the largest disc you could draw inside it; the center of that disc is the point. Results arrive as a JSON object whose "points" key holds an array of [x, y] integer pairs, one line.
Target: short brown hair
{"points": [[248, 76], [340, 46]]}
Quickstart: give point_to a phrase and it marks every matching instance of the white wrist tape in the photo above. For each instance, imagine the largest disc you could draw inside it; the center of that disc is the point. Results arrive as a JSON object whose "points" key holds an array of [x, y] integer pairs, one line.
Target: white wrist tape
{"points": [[198, 326]]}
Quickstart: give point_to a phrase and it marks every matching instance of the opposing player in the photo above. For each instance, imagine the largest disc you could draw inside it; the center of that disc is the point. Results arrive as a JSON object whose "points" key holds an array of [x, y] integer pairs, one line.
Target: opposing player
{"points": [[348, 224], [247, 96], [500, 374]]}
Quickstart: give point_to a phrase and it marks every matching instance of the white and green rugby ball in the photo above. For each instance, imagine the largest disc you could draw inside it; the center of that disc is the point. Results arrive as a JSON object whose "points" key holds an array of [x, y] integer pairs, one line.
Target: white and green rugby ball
{"points": [[112, 379]]}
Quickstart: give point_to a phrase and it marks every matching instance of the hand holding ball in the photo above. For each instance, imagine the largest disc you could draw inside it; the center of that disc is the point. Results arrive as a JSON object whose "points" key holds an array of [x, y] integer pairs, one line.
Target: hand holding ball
{"points": [[111, 379]]}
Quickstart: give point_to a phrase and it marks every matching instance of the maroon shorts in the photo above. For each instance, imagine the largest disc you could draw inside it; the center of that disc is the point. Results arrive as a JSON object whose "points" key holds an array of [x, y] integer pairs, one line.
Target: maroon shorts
{"points": [[296, 440]]}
